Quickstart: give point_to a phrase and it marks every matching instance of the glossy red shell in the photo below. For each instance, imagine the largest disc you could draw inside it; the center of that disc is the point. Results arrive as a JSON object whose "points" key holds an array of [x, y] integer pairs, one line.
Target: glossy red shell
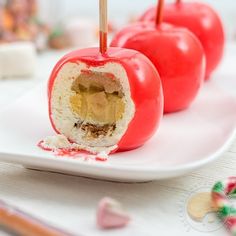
{"points": [[202, 21], [145, 87], [177, 55]]}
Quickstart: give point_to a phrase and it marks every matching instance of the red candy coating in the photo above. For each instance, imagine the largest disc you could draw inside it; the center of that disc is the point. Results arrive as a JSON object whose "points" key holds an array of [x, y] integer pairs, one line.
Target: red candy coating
{"points": [[202, 21], [145, 86], [177, 55]]}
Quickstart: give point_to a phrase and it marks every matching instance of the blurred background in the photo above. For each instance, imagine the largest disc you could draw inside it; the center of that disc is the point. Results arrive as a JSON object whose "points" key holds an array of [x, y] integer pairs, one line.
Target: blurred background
{"points": [[60, 24], [121, 11]]}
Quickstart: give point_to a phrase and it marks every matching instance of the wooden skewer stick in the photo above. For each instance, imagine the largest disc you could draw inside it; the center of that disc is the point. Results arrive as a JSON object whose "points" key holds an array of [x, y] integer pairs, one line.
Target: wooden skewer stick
{"points": [[103, 25], [21, 223], [159, 14]]}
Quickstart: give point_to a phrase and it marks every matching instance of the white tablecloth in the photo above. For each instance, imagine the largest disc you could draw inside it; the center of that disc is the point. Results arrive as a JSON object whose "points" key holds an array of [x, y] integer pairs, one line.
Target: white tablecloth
{"points": [[70, 202]]}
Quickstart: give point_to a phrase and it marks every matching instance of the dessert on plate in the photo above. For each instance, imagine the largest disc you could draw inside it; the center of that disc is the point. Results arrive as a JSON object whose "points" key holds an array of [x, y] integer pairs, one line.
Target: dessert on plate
{"points": [[105, 101]]}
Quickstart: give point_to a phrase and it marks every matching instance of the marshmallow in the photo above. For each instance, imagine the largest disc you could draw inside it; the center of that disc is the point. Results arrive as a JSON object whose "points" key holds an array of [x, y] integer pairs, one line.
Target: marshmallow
{"points": [[17, 59], [110, 214]]}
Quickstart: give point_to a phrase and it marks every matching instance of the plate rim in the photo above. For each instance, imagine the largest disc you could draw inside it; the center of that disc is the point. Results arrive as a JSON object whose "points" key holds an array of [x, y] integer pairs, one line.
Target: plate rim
{"points": [[181, 167], [38, 159]]}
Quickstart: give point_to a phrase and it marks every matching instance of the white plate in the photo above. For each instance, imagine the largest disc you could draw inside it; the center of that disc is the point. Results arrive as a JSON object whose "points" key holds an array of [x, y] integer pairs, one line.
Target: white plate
{"points": [[186, 140]]}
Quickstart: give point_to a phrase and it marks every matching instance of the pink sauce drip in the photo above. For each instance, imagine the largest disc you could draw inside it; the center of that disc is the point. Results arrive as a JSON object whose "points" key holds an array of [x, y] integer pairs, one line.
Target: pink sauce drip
{"points": [[72, 153], [100, 158]]}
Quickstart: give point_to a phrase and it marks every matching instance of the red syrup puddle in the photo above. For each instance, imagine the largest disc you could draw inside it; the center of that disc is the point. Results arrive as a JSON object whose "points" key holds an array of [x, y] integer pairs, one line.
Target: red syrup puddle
{"points": [[100, 158], [72, 153]]}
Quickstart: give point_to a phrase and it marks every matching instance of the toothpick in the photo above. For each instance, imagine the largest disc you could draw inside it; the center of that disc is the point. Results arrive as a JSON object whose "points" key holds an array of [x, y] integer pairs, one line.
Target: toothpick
{"points": [[103, 28], [159, 14]]}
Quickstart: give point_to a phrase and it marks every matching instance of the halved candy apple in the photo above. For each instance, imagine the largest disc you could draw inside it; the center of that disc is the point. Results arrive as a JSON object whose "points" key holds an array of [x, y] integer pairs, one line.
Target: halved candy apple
{"points": [[105, 102]]}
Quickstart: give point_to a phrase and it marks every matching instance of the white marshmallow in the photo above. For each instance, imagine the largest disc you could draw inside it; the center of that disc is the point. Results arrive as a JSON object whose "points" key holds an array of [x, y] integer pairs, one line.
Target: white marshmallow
{"points": [[17, 59]]}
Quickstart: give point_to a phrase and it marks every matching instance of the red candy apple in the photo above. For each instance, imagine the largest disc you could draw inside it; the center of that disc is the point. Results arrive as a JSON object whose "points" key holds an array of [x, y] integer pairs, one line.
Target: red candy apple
{"points": [[201, 20], [141, 84], [176, 53], [105, 100]]}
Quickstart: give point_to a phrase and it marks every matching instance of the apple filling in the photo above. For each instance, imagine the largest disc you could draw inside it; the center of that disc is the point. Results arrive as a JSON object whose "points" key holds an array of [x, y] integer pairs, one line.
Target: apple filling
{"points": [[99, 103]]}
